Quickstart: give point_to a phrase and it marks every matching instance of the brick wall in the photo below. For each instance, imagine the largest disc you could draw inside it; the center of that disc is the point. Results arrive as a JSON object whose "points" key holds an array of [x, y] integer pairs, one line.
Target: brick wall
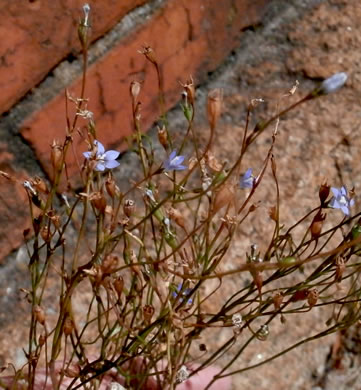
{"points": [[39, 59]]}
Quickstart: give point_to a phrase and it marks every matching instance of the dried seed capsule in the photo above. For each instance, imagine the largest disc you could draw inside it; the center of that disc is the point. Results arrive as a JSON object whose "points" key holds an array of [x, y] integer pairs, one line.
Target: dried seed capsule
{"points": [[340, 269], [56, 155], [214, 106], [129, 207], [312, 297], [68, 326], [324, 192], [148, 312], [134, 90], [277, 300], [39, 314], [118, 286]]}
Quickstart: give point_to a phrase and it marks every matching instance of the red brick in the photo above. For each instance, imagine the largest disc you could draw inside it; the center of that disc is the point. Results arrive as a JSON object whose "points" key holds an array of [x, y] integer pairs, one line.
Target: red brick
{"points": [[189, 37], [37, 35], [14, 213]]}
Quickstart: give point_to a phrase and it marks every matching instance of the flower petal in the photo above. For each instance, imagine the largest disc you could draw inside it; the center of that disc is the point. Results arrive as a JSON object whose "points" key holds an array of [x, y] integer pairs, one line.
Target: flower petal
{"points": [[334, 203], [248, 173], [87, 154], [111, 155], [100, 147], [172, 155], [343, 190], [345, 210], [100, 166], [336, 192], [177, 160], [110, 164]]}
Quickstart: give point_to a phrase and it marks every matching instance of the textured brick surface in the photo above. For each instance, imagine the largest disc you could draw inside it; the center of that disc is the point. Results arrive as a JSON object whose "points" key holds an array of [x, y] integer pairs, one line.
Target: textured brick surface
{"points": [[13, 200], [189, 37], [37, 34]]}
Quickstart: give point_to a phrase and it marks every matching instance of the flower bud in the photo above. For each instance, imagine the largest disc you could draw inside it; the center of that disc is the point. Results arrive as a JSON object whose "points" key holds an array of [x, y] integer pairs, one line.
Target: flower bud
{"points": [[56, 155], [190, 91], [39, 314], [134, 90], [148, 312], [316, 225], [163, 137], [312, 297], [324, 192], [84, 27], [333, 83], [214, 106], [129, 207]]}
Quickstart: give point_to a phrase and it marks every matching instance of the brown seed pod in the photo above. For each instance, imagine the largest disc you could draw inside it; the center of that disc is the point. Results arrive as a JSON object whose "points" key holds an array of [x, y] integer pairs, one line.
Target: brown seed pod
{"points": [[39, 314], [312, 297]]}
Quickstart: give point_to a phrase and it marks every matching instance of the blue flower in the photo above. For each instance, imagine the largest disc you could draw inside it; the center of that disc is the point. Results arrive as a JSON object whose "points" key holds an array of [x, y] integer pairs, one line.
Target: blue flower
{"points": [[177, 294], [333, 83], [104, 159], [340, 200], [247, 179], [174, 162]]}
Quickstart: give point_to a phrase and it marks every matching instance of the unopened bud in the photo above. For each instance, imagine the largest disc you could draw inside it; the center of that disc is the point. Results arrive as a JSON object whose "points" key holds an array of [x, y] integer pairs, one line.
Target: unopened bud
{"points": [[324, 192], [84, 27], [129, 207], [316, 225], [68, 326], [163, 137], [189, 89], [56, 155], [39, 314], [312, 297], [148, 312], [134, 90], [214, 106], [333, 83]]}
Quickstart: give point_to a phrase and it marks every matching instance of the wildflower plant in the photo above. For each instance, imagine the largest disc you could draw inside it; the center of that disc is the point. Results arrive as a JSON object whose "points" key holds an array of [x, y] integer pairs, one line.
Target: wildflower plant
{"points": [[148, 253]]}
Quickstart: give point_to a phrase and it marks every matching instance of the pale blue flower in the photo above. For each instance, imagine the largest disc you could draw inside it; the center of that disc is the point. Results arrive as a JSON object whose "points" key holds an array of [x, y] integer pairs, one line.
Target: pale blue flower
{"points": [[341, 200], [174, 162], [247, 179], [333, 83], [104, 159], [177, 294]]}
